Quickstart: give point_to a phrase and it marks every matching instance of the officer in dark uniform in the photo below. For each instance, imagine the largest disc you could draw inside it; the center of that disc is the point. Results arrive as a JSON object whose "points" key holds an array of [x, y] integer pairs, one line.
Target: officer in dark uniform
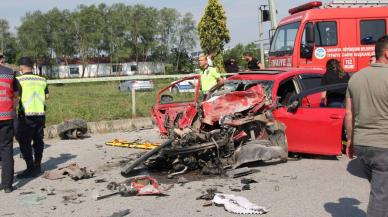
{"points": [[7, 113], [31, 117], [253, 63]]}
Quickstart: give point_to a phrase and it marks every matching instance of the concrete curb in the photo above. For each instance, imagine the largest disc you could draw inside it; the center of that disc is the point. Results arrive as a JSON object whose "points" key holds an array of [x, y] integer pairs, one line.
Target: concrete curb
{"points": [[51, 132]]}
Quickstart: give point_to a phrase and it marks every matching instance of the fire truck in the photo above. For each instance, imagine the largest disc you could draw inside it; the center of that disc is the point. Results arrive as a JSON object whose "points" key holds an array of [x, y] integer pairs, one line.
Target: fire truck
{"points": [[314, 33]]}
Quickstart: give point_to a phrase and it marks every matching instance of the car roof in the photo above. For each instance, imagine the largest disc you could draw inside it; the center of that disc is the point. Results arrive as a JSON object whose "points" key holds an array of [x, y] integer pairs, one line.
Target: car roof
{"points": [[275, 73]]}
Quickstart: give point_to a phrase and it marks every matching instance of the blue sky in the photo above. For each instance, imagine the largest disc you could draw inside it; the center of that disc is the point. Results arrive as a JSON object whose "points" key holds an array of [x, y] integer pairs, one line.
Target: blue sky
{"points": [[242, 14]]}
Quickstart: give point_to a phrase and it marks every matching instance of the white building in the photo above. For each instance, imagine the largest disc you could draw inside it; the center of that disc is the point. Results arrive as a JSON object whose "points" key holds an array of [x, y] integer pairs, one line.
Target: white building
{"points": [[101, 69]]}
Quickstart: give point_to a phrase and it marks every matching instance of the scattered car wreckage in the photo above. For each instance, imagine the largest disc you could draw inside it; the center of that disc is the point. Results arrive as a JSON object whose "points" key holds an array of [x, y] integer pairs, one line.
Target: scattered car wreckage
{"points": [[225, 131]]}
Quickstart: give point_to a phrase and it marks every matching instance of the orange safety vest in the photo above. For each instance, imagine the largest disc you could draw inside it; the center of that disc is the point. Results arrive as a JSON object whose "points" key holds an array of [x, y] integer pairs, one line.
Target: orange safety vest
{"points": [[7, 77]]}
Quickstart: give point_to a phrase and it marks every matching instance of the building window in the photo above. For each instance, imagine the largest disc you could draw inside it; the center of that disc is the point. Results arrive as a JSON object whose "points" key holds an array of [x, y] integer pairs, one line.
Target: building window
{"points": [[74, 71], [326, 33], [371, 30], [133, 68], [117, 68]]}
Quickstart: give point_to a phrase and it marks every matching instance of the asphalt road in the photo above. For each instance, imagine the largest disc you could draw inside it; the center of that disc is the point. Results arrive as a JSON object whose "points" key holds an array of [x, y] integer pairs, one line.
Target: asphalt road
{"points": [[311, 187]]}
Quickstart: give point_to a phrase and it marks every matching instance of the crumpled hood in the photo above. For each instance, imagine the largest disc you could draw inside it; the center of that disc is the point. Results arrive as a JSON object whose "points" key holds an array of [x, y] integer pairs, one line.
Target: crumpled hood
{"points": [[228, 104]]}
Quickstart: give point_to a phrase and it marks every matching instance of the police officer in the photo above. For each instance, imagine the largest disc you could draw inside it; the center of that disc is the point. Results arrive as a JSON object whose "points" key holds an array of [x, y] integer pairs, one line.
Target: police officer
{"points": [[7, 113], [209, 75], [31, 117]]}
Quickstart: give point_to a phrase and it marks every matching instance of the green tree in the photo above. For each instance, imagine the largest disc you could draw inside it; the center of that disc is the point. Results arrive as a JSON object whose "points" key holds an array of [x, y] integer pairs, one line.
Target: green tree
{"points": [[33, 36], [213, 31], [235, 53], [254, 49], [168, 24], [88, 24], [117, 32], [7, 42], [144, 30], [184, 40], [11, 50], [60, 34], [4, 34]]}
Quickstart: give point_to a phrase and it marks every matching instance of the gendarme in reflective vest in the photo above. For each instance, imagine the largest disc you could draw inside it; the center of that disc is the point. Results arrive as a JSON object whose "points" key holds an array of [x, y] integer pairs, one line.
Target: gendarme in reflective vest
{"points": [[33, 96], [7, 77]]}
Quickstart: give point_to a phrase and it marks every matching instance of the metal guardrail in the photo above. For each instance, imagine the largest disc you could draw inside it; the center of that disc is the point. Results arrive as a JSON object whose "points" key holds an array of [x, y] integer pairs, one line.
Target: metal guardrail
{"points": [[120, 78], [117, 78]]}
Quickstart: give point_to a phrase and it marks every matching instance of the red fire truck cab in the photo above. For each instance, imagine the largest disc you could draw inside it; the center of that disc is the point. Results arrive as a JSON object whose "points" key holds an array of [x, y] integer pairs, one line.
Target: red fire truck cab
{"points": [[314, 33]]}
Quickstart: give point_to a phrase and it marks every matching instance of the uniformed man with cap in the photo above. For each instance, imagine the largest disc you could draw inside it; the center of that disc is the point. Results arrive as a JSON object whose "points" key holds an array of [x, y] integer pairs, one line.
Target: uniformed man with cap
{"points": [[33, 93], [7, 113]]}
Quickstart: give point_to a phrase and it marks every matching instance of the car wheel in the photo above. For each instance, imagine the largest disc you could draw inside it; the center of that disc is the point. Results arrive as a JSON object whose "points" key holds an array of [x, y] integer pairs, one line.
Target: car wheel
{"points": [[175, 90]]}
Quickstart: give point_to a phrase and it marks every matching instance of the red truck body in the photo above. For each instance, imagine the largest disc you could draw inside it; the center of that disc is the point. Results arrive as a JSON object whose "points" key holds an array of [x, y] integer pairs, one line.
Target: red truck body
{"points": [[312, 35]]}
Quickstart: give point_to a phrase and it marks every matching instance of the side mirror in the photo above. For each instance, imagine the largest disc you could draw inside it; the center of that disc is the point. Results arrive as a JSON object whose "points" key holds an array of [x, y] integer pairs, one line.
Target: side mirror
{"points": [[310, 33], [165, 99], [293, 107]]}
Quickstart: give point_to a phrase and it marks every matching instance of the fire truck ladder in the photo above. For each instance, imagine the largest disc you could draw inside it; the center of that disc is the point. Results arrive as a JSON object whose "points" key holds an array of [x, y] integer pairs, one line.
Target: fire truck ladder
{"points": [[356, 3]]}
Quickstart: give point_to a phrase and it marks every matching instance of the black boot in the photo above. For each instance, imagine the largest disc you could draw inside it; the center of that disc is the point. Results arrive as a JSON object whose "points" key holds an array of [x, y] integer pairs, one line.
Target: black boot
{"points": [[7, 189], [29, 172], [37, 165]]}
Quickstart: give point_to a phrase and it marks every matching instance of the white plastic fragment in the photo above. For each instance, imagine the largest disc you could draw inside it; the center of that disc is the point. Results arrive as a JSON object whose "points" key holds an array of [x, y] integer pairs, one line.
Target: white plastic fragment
{"points": [[238, 204]]}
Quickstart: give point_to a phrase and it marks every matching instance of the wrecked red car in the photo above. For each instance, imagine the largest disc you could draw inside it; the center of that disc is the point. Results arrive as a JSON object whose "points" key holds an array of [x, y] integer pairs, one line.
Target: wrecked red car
{"points": [[311, 129], [254, 116]]}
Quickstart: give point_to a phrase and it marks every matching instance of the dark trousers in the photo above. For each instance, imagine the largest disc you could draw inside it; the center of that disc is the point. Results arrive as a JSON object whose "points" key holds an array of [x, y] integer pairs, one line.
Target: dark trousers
{"points": [[31, 129], [375, 163], [335, 104], [6, 152]]}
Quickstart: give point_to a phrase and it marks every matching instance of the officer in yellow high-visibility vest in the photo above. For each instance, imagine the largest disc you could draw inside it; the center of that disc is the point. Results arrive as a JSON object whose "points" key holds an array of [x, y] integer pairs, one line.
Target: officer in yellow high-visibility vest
{"points": [[209, 75], [33, 93]]}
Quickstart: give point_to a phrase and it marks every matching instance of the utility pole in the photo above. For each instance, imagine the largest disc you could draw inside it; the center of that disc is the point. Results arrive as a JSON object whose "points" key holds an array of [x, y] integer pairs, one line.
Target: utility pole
{"points": [[272, 12], [261, 29]]}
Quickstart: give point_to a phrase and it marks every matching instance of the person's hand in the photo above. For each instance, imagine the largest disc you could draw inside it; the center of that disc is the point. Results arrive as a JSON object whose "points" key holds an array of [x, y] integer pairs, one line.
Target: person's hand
{"points": [[350, 149]]}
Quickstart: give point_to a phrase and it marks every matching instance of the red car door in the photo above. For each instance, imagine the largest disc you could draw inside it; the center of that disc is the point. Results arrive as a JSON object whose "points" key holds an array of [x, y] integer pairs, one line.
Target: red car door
{"points": [[313, 130], [174, 108]]}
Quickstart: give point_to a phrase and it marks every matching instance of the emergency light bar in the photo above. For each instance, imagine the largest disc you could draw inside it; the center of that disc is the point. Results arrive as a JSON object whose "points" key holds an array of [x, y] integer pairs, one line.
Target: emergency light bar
{"points": [[305, 7]]}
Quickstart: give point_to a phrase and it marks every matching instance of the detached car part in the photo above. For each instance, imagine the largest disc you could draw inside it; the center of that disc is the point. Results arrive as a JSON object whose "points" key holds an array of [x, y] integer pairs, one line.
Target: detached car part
{"points": [[72, 129]]}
